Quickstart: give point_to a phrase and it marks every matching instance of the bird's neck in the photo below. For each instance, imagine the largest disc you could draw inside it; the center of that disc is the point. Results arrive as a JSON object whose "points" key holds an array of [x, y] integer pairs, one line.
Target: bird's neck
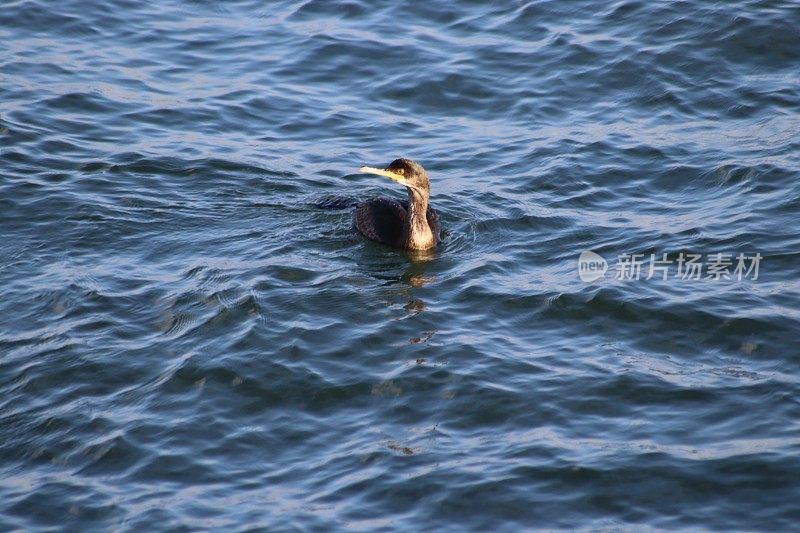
{"points": [[419, 233]]}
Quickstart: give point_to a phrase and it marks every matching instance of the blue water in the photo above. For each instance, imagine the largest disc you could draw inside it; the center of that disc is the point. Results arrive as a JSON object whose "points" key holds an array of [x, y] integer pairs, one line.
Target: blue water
{"points": [[187, 342]]}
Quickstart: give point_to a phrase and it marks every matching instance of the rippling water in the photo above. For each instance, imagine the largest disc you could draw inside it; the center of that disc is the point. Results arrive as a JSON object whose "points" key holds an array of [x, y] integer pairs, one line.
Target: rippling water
{"points": [[187, 342]]}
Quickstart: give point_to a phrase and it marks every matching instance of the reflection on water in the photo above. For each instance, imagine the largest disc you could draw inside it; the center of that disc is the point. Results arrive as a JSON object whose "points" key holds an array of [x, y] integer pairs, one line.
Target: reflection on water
{"points": [[414, 274]]}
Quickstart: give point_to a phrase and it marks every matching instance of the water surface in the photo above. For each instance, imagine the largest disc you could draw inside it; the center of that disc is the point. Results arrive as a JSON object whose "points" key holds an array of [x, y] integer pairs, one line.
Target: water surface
{"points": [[187, 342]]}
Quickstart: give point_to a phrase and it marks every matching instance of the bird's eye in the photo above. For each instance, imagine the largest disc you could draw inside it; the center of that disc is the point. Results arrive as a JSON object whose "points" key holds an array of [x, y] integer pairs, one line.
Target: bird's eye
{"points": [[401, 171]]}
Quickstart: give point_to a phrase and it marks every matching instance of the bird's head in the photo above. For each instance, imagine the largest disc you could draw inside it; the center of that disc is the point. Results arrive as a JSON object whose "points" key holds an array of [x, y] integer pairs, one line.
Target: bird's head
{"points": [[405, 172]]}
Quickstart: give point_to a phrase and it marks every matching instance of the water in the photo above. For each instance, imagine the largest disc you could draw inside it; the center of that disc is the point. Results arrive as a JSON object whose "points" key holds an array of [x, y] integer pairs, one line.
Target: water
{"points": [[186, 342]]}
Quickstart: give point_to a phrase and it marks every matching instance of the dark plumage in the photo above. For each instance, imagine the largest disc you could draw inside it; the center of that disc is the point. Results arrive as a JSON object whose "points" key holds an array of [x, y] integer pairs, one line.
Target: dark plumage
{"points": [[383, 219], [409, 224]]}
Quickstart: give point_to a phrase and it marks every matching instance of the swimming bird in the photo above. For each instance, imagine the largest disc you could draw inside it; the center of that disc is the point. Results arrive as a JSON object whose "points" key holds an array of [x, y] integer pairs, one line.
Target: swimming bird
{"points": [[411, 224]]}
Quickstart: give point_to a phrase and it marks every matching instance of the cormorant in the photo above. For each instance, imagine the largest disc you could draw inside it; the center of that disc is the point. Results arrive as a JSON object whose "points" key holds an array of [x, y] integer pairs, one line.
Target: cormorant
{"points": [[409, 224]]}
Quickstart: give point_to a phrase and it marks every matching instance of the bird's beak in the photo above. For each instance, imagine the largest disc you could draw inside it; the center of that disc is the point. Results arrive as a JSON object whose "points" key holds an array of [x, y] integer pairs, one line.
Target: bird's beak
{"points": [[386, 173]]}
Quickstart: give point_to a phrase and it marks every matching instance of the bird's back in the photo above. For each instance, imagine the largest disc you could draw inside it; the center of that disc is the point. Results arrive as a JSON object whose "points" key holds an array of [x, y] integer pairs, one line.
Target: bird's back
{"points": [[383, 220]]}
